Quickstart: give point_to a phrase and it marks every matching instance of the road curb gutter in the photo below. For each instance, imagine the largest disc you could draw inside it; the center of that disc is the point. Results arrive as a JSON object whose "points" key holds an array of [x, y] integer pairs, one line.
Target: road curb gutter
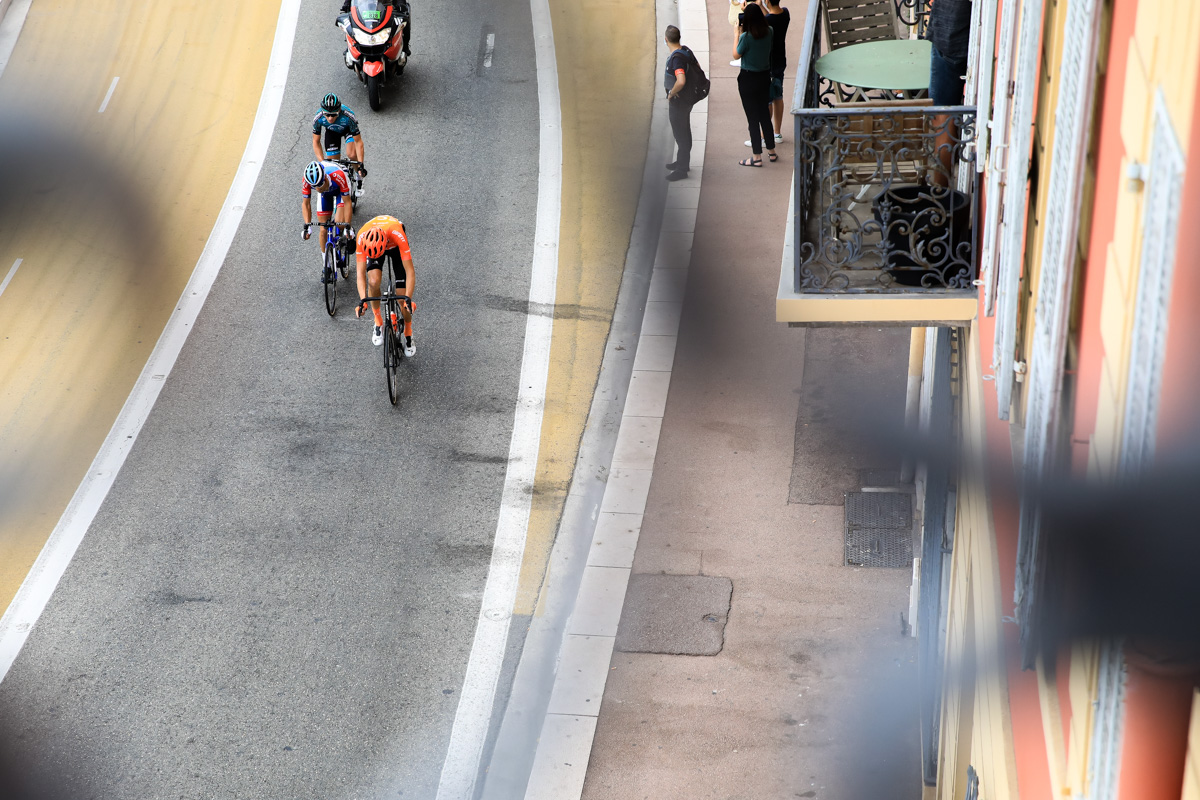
{"points": [[599, 535]]}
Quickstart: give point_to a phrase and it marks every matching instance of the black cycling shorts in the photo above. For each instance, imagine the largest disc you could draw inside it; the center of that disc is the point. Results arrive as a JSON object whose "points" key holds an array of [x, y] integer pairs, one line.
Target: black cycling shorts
{"points": [[393, 255]]}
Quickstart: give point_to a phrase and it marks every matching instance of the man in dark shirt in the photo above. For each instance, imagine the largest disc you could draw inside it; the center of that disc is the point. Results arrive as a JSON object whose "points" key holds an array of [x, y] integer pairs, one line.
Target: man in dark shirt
{"points": [[949, 32], [678, 103]]}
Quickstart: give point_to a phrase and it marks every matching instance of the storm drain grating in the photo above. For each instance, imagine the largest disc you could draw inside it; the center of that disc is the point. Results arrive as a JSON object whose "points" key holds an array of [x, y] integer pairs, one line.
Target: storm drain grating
{"points": [[878, 529]]}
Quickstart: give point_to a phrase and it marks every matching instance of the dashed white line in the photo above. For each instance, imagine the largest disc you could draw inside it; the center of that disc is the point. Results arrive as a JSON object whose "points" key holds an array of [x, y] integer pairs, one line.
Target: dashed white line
{"points": [[8, 278], [112, 87], [487, 53], [475, 701]]}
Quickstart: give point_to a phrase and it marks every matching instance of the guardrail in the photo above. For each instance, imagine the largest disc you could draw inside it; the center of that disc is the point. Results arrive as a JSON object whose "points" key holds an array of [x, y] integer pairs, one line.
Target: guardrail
{"points": [[887, 195]]}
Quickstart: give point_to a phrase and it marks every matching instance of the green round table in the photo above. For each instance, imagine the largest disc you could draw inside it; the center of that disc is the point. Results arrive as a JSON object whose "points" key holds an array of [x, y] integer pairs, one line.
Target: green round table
{"points": [[895, 66]]}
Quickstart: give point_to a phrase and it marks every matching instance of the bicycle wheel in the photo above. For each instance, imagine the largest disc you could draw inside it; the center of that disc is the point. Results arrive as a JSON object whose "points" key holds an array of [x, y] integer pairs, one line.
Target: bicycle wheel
{"points": [[393, 353], [344, 261], [329, 279]]}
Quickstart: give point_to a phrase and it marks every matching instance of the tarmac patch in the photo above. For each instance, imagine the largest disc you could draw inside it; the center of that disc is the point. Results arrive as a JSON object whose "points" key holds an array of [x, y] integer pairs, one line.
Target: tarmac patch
{"points": [[675, 615]]}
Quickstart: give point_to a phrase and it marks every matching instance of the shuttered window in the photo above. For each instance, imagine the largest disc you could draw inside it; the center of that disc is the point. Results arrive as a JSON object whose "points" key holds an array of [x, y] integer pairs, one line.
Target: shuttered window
{"points": [[1160, 223], [979, 86], [998, 123], [1058, 255], [1011, 236], [1104, 756]]}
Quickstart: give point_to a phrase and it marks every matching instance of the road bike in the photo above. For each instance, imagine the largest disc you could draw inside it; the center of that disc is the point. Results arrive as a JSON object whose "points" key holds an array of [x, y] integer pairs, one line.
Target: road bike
{"points": [[337, 260], [352, 168], [393, 327]]}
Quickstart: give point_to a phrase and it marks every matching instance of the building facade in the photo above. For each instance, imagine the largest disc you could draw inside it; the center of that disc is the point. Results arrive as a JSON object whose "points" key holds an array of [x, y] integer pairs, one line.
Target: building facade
{"points": [[1080, 360]]}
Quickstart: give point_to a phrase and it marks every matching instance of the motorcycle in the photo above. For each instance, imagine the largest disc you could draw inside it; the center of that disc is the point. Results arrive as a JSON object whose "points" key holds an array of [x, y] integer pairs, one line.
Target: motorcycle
{"points": [[374, 44]]}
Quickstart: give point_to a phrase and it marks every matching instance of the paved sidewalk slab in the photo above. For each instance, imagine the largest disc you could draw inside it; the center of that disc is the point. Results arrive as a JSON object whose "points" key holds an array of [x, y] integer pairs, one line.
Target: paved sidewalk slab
{"points": [[812, 692]]}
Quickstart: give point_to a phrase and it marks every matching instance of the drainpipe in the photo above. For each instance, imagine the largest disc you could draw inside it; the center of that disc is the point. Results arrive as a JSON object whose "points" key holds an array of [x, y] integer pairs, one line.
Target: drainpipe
{"points": [[912, 399]]}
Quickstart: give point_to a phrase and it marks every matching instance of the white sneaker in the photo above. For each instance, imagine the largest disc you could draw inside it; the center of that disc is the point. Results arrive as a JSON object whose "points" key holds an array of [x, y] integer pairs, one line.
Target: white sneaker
{"points": [[377, 335], [747, 143], [778, 137], [410, 349]]}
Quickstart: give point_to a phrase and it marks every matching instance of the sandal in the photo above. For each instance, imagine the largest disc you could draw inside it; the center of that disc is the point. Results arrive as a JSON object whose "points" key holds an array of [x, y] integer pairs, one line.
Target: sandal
{"points": [[773, 156], [750, 162]]}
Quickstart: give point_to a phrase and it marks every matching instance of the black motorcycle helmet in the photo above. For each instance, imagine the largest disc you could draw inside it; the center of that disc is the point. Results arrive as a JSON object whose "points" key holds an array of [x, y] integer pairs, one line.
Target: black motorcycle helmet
{"points": [[331, 104]]}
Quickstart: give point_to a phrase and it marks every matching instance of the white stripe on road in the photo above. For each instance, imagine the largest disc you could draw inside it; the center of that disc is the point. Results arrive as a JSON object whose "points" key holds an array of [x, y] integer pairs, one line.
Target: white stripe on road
{"points": [[112, 87], [10, 29], [478, 694], [52, 562], [487, 53], [8, 278]]}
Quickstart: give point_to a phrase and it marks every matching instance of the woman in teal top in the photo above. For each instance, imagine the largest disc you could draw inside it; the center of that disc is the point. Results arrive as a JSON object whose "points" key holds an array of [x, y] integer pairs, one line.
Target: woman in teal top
{"points": [[754, 81]]}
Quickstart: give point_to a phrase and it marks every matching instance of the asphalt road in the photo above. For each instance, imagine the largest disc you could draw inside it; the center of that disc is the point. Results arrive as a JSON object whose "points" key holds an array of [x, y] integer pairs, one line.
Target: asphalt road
{"points": [[278, 597]]}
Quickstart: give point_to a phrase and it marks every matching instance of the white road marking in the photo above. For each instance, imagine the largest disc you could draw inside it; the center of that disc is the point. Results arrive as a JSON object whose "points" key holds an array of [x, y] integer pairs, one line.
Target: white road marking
{"points": [[474, 713], [487, 53], [52, 562], [10, 29], [8, 278], [112, 87]]}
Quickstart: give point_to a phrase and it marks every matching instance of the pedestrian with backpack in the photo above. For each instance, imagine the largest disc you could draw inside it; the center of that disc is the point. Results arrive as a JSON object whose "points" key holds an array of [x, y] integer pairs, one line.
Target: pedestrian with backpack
{"points": [[686, 85]]}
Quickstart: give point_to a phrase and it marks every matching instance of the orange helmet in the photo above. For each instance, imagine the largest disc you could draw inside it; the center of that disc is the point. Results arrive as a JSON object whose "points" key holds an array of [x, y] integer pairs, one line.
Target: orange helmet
{"points": [[373, 243]]}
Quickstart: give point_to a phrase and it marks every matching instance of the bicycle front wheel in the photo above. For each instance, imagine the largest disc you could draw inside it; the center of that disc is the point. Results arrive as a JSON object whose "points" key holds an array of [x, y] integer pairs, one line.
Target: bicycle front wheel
{"points": [[329, 279], [393, 352]]}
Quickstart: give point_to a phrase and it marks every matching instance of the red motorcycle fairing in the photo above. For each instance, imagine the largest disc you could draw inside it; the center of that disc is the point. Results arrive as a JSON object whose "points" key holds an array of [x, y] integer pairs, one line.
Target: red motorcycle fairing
{"points": [[393, 52], [358, 20], [354, 51], [373, 67]]}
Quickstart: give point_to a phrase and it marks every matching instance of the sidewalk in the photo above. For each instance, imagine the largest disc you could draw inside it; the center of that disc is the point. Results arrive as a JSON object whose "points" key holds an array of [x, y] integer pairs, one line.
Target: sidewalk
{"points": [[749, 662]]}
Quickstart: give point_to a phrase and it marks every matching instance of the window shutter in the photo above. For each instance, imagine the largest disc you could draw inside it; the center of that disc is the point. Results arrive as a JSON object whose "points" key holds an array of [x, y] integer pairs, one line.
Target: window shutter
{"points": [[1104, 758], [980, 75], [1016, 173], [998, 124], [1160, 223], [1067, 161]]}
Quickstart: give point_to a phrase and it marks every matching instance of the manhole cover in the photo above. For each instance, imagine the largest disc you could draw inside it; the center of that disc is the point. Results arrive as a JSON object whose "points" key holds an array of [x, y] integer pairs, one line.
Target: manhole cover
{"points": [[878, 529], [674, 614]]}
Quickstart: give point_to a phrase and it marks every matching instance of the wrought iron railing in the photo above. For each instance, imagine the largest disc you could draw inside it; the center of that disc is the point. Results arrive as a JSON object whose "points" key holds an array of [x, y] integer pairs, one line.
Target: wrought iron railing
{"points": [[886, 191], [913, 14]]}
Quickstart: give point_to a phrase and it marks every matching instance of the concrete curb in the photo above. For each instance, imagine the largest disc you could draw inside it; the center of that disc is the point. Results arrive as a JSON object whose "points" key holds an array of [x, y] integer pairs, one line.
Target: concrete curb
{"points": [[564, 745]]}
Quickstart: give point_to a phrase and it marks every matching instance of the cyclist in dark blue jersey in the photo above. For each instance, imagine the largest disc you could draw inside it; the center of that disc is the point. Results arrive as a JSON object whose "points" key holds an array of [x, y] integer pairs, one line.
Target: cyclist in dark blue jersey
{"points": [[333, 125]]}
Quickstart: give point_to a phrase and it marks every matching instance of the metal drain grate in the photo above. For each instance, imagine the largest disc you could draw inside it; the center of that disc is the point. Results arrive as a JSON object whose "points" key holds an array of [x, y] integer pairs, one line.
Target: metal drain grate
{"points": [[878, 529]]}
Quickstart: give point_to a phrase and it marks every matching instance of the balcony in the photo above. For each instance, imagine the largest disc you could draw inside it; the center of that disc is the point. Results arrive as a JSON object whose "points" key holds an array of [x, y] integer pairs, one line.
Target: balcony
{"points": [[884, 209]]}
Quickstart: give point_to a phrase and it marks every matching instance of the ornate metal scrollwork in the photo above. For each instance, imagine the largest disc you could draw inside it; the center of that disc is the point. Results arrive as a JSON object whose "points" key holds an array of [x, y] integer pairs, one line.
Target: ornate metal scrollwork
{"points": [[877, 211], [914, 14]]}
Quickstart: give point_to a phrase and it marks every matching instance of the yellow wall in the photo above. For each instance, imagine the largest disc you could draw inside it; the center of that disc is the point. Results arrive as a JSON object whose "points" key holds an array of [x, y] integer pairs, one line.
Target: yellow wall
{"points": [[976, 727], [1164, 52], [1191, 770]]}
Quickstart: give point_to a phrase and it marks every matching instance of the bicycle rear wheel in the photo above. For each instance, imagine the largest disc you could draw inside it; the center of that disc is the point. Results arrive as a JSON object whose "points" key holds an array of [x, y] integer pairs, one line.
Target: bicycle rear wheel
{"points": [[329, 279]]}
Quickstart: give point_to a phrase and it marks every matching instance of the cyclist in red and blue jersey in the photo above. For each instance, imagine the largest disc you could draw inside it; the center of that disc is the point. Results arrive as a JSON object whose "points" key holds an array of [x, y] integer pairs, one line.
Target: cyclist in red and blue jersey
{"points": [[334, 124], [332, 186]]}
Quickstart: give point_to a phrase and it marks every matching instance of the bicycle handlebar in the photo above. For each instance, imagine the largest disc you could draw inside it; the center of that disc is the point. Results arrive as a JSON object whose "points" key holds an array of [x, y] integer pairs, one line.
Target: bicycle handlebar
{"points": [[405, 298]]}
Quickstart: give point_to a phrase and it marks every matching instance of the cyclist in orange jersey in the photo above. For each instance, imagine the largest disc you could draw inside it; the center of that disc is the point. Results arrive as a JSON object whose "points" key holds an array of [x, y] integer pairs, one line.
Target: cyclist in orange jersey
{"points": [[380, 238]]}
